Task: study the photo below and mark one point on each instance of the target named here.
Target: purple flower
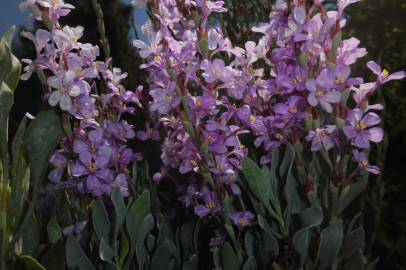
(322, 137)
(189, 163)
(318, 94)
(242, 219)
(216, 70)
(361, 128)
(150, 133)
(218, 239)
(337, 78)
(363, 92)
(208, 7)
(225, 170)
(212, 125)
(93, 144)
(210, 206)
(383, 75)
(290, 112)
(154, 40)
(75, 229)
(157, 177)
(216, 6)
(40, 40)
(249, 119)
(165, 98)
(202, 106)
(363, 163)
(229, 179)
(348, 53)
(59, 161)
(121, 182)
(63, 82)
(289, 79)
(271, 137)
(120, 130)
(299, 14)
(56, 9)
(83, 107)
(124, 156)
(97, 176)
(189, 195)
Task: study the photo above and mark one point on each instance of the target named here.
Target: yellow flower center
(193, 162)
(293, 110)
(252, 118)
(198, 103)
(361, 125)
(364, 163)
(279, 136)
(340, 80)
(297, 80)
(92, 167)
(211, 205)
(79, 73)
(385, 73)
(168, 98)
(211, 139)
(320, 92)
(242, 221)
(158, 58)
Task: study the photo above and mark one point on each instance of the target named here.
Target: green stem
(101, 29)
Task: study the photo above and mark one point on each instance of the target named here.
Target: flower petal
(376, 134)
(54, 98)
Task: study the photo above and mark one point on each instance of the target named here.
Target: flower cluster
(87, 91)
(193, 100)
(209, 95)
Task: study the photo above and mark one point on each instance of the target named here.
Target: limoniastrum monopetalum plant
(264, 145)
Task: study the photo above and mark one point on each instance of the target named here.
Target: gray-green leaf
(100, 219)
(311, 217)
(330, 243)
(75, 257)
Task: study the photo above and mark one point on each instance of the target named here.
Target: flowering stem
(102, 29)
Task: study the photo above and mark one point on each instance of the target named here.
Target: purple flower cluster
(94, 155)
(207, 94)
(191, 101)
